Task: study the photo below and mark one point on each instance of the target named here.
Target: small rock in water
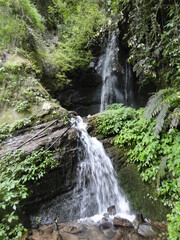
(147, 230)
(72, 229)
(111, 210)
(105, 217)
(122, 222)
(144, 228)
(105, 225)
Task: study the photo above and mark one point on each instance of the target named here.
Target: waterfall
(107, 67)
(97, 183)
(128, 86)
(115, 89)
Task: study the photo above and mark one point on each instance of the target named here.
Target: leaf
(161, 172)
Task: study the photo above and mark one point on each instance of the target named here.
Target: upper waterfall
(115, 89)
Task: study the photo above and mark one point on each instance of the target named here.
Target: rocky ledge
(119, 229)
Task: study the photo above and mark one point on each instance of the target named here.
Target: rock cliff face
(84, 93)
(58, 181)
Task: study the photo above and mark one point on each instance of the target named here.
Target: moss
(24, 101)
(139, 194)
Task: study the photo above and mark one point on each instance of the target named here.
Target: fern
(153, 105)
(161, 118)
(175, 119)
(161, 172)
(164, 105)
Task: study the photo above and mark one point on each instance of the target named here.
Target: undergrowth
(17, 169)
(157, 155)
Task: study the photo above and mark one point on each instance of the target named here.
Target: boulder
(121, 222)
(111, 210)
(45, 230)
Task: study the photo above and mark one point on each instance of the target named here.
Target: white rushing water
(128, 86)
(97, 181)
(106, 67)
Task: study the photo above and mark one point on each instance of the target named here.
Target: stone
(68, 236)
(72, 229)
(121, 222)
(55, 236)
(146, 230)
(46, 106)
(45, 230)
(108, 233)
(94, 233)
(105, 225)
(111, 210)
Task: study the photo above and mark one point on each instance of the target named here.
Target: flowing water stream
(96, 186)
(106, 67)
(115, 89)
(97, 182)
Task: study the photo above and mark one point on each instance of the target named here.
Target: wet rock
(56, 236)
(105, 217)
(94, 233)
(146, 230)
(68, 236)
(45, 230)
(127, 234)
(105, 225)
(111, 210)
(109, 233)
(121, 222)
(72, 229)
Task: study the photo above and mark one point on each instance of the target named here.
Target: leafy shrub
(112, 121)
(79, 24)
(23, 106)
(17, 170)
(14, 17)
(4, 132)
(174, 222)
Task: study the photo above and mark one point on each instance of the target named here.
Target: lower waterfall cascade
(96, 177)
(96, 187)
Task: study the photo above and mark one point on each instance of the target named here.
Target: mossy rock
(142, 196)
(23, 100)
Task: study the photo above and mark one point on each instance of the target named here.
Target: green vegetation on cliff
(155, 153)
(17, 170)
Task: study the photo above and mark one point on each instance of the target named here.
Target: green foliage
(7, 130)
(17, 170)
(113, 119)
(11, 31)
(153, 36)
(4, 132)
(22, 106)
(174, 222)
(165, 105)
(15, 16)
(156, 156)
(79, 24)
(19, 89)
